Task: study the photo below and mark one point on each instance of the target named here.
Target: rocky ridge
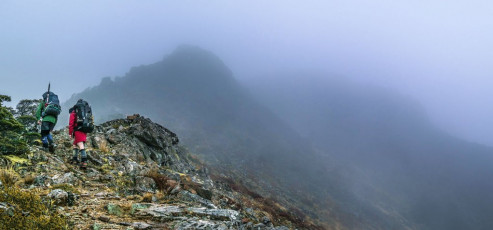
(139, 177)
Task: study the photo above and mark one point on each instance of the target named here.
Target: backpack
(85, 120)
(52, 104)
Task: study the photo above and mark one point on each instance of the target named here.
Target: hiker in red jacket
(79, 138)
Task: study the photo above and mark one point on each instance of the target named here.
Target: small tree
(11, 140)
(26, 114)
(31, 130)
(27, 107)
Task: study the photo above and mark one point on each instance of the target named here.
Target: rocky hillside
(140, 177)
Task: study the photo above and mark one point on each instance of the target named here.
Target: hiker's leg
(80, 145)
(83, 155)
(52, 145)
(50, 138)
(44, 138)
(76, 154)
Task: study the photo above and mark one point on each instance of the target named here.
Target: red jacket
(72, 124)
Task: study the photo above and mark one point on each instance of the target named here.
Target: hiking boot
(52, 148)
(44, 147)
(83, 165)
(74, 161)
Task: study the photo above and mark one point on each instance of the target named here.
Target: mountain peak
(186, 65)
(193, 60)
(192, 50)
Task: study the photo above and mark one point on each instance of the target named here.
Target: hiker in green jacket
(47, 115)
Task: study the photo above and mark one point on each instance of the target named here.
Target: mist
(383, 91)
(435, 52)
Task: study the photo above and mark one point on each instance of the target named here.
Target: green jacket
(48, 118)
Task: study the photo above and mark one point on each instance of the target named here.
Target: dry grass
(126, 207)
(147, 197)
(160, 195)
(160, 179)
(141, 158)
(104, 147)
(29, 179)
(8, 176)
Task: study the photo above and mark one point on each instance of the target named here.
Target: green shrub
(11, 140)
(32, 138)
(29, 122)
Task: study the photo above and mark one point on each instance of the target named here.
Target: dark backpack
(85, 120)
(52, 104)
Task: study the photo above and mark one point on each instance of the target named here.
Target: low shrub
(28, 211)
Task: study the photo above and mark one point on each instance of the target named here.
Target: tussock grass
(160, 179)
(29, 179)
(104, 147)
(147, 197)
(8, 176)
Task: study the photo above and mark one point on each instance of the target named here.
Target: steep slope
(394, 156)
(139, 177)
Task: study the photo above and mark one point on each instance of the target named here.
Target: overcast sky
(438, 52)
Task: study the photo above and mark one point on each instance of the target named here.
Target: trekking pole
(48, 97)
